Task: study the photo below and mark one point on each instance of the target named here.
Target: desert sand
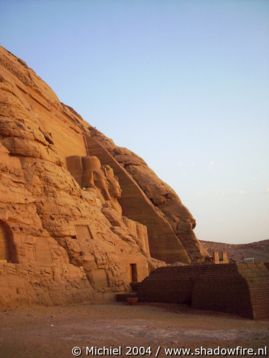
(38, 331)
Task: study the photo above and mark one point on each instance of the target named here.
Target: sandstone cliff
(165, 201)
(80, 218)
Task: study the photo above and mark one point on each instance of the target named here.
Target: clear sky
(184, 84)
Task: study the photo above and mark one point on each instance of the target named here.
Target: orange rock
(80, 212)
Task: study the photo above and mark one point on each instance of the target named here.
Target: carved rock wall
(71, 244)
(163, 199)
(78, 215)
(163, 242)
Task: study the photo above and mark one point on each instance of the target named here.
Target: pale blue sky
(184, 84)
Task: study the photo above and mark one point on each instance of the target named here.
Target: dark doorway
(7, 249)
(133, 268)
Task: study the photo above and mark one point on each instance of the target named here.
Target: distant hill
(259, 250)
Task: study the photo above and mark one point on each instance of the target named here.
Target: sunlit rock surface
(80, 218)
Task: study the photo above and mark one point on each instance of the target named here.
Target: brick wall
(240, 289)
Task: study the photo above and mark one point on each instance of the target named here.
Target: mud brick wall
(257, 277)
(169, 284)
(222, 288)
(240, 289)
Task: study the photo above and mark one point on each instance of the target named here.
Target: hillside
(259, 250)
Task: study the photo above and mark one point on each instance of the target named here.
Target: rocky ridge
(259, 250)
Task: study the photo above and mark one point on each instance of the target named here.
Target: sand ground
(39, 332)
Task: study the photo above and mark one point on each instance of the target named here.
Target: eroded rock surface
(77, 213)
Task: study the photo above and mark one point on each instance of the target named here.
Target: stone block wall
(240, 289)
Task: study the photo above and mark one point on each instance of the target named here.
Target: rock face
(80, 218)
(152, 202)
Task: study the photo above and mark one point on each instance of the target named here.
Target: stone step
(129, 297)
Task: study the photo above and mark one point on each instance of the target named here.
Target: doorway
(133, 268)
(7, 251)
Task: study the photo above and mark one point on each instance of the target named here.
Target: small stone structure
(241, 289)
(220, 257)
